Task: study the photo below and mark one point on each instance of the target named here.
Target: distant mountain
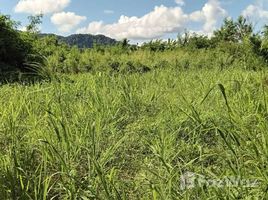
(84, 40)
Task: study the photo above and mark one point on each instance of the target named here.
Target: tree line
(18, 49)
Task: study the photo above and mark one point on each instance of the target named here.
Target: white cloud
(155, 24)
(159, 22)
(256, 12)
(22, 28)
(180, 2)
(41, 6)
(108, 12)
(197, 16)
(66, 21)
(210, 14)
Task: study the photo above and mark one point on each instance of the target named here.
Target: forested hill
(84, 40)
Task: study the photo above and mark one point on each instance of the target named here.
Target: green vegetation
(15, 47)
(132, 136)
(128, 122)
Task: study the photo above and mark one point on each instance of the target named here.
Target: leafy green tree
(234, 31)
(125, 43)
(15, 47)
(243, 28)
(35, 21)
(227, 31)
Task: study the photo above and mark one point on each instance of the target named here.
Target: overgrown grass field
(133, 136)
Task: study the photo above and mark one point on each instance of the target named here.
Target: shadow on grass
(25, 75)
(9, 77)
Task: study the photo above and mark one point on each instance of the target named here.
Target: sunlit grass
(132, 136)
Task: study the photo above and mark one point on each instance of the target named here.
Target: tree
(234, 31)
(125, 43)
(243, 28)
(35, 21)
(14, 46)
(226, 32)
(184, 38)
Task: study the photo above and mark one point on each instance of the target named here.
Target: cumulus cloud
(210, 14)
(41, 6)
(155, 24)
(66, 21)
(161, 21)
(256, 12)
(180, 2)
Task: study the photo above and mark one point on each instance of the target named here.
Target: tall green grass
(132, 136)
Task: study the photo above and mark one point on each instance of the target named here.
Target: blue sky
(134, 19)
